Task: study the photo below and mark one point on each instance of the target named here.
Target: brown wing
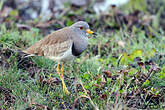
(52, 45)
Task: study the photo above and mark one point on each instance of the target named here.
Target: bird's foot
(65, 90)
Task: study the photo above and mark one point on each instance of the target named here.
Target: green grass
(90, 88)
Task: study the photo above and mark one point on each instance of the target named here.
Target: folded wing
(53, 45)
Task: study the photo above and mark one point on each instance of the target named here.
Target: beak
(90, 32)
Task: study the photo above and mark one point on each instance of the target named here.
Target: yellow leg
(62, 79)
(58, 70)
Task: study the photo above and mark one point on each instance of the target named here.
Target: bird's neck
(80, 44)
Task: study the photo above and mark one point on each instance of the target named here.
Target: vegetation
(123, 67)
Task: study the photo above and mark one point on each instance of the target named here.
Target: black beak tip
(95, 34)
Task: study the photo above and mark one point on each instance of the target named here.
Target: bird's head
(82, 27)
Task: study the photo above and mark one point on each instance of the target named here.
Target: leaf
(86, 76)
(124, 58)
(101, 60)
(136, 53)
(78, 60)
(86, 86)
(162, 75)
(69, 23)
(14, 13)
(146, 83)
(132, 71)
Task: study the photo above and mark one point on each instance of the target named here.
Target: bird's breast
(79, 46)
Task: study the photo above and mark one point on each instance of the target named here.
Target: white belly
(64, 56)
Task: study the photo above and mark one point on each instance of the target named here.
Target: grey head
(81, 28)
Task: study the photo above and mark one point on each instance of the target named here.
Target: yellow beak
(89, 31)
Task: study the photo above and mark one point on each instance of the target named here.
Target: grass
(133, 63)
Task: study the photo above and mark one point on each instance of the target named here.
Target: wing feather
(56, 49)
(54, 44)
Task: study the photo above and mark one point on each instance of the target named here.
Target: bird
(63, 45)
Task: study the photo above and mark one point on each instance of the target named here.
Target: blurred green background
(123, 67)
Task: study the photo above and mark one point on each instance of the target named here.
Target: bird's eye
(81, 28)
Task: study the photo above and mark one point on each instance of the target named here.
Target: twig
(75, 101)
